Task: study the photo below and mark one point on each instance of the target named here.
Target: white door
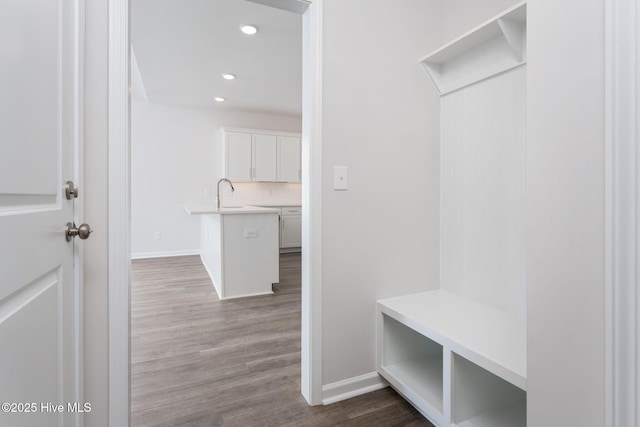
(39, 301)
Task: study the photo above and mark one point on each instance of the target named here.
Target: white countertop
(279, 205)
(236, 210)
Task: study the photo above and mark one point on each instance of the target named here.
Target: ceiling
(182, 47)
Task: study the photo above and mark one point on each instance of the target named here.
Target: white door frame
(119, 207)
(119, 182)
(311, 348)
(78, 212)
(622, 261)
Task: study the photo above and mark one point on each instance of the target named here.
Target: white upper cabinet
(237, 156)
(255, 155)
(264, 160)
(288, 159)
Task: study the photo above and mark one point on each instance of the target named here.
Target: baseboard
(290, 250)
(257, 294)
(352, 387)
(144, 255)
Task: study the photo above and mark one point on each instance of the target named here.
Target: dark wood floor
(199, 361)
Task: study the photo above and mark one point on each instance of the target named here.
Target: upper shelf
(492, 48)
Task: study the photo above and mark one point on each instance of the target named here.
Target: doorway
(119, 233)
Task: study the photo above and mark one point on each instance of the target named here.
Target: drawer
(291, 211)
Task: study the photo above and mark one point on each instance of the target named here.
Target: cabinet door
(291, 231)
(237, 156)
(264, 157)
(288, 159)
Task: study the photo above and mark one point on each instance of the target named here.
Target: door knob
(82, 232)
(70, 190)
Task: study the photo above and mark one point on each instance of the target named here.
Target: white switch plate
(339, 177)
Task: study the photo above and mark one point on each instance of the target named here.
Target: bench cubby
(460, 363)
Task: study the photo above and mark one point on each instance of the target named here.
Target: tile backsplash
(262, 194)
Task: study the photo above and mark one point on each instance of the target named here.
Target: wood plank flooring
(199, 361)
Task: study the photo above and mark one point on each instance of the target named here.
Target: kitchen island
(239, 248)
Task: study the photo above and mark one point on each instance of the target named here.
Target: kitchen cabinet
(239, 249)
(265, 156)
(290, 227)
(237, 156)
(288, 159)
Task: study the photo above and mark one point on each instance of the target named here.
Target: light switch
(339, 177)
(250, 233)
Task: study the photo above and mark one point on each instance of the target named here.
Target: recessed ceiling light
(227, 76)
(249, 29)
(219, 99)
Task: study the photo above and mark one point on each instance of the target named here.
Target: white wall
(380, 119)
(177, 154)
(565, 197)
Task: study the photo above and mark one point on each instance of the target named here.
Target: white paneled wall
(483, 187)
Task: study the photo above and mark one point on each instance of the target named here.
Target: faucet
(218, 193)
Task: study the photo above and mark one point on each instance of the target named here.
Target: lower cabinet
(459, 363)
(290, 233)
(291, 228)
(240, 252)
